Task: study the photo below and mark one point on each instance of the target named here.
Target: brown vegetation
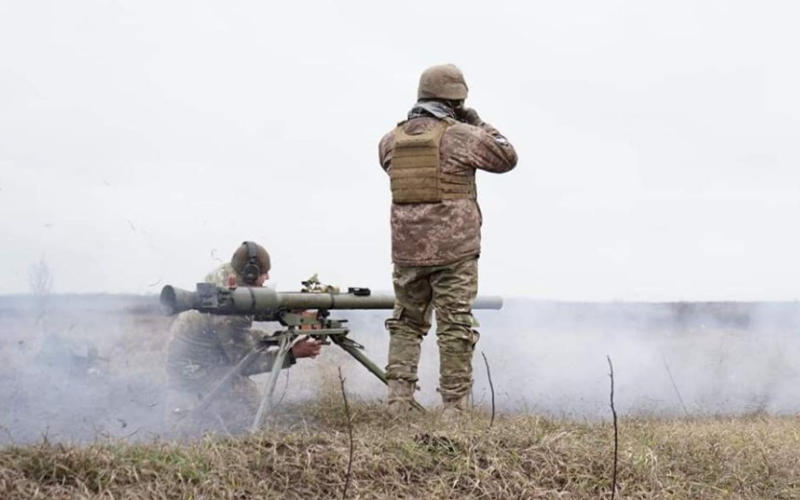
(519, 457)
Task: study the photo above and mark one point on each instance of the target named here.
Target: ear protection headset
(251, 270)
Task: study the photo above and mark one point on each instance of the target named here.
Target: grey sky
(142, 140)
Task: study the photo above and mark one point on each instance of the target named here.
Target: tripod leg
(349, 346)
(225, 380)
(266, 398)
(352, 349)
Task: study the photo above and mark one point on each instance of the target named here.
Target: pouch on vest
(416, 175)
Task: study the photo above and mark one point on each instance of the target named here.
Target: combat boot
(401, 396)
(455, 409)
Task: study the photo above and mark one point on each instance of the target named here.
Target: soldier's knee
(407, 321)
(457, 327)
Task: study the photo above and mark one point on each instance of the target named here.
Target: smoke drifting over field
(87, 367)
(547, 358)
(669, 359)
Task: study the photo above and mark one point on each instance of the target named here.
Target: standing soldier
(203, 348)
(431, 159)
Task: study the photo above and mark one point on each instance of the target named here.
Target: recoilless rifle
(302, 313)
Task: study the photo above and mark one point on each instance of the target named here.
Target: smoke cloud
(92, 367)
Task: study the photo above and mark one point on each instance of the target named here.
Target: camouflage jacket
(433, 234)
(203, 347)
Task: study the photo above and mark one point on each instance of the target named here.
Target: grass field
(520, 456)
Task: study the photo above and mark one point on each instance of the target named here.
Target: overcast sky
(141, 141)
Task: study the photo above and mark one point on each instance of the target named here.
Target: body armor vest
(416, 175)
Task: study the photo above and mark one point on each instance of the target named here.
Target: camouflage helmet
(444, 81)
(250, 261)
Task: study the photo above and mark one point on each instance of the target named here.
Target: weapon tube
(210, 298)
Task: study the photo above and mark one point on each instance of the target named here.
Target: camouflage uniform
(202, 349)
(435, 249)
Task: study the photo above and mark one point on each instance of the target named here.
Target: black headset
(251, 270)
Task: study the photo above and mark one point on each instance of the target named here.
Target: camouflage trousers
(231, 412)
(449, 290)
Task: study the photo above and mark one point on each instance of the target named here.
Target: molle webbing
(417, 176)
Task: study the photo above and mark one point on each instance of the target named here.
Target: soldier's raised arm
(490, 150)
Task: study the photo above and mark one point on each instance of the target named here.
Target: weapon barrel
(175, 300)
(257, 300)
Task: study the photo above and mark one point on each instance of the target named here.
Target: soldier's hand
(306, 348)
(469, 115)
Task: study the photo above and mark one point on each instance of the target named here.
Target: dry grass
(519, 457)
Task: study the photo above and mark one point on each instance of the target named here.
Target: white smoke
(545, 357)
